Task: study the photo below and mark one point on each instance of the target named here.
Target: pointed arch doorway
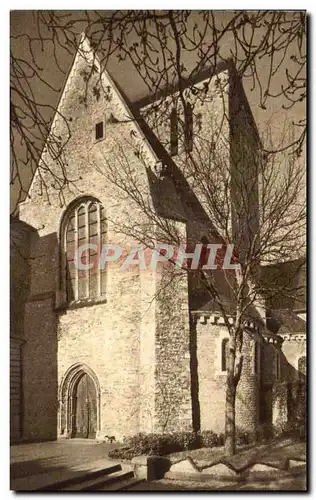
(84, 408)
(79, 403)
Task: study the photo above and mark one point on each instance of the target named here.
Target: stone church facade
(103, 353)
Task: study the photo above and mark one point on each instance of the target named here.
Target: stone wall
(210, 332)
(173, 378)
(106, 338)
(293, 377)
(128, 341)
(40, 369)
(282, 388)
(19, 285)
(152, 374)
(293, 348)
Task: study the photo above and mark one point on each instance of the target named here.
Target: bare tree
(259, 211)
(163, 49)
(264, 218)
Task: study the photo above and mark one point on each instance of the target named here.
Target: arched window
(84, 224)
(225, 353)
(301, 366)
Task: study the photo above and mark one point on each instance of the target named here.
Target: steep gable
(80, 108)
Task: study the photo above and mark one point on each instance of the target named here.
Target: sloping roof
(283, 321)
(205, 74)
(288, 279)
(200, 301)
(164, 196)
(18, 225)
(20, 233)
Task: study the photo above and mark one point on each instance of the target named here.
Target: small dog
(110, 439)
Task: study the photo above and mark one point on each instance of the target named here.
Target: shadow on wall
(296, 388)
(286, 397)
(39, 354)
(19, 291)
(281, 396)
(196, 413)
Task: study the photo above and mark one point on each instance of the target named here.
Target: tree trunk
(230, 427)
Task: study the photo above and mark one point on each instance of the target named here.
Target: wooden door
(85, 404)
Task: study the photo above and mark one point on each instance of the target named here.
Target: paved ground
(29, 463)
(26, 458)
(60, 457)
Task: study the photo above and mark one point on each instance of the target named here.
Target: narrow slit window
(204, 252)
(99, 131)
(188, 128)
(257, 358)
(174, 132)
(301, 366)
(225, 354)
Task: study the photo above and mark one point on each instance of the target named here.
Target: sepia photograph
(158, 266)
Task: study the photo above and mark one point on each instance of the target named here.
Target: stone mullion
(64, 265)
(76, 249)
(87, 259)
(98, 270)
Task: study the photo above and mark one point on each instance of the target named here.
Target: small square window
(99, 131)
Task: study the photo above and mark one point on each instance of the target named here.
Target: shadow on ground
(55, 458)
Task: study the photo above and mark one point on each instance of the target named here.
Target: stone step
(59, 473)
(124, 485)
(102, 482)
(296, 462)
(78, 477)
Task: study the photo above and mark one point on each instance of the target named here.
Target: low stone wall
(153, 467)
(150, 467)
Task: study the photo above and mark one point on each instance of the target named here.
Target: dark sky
(22, 22)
